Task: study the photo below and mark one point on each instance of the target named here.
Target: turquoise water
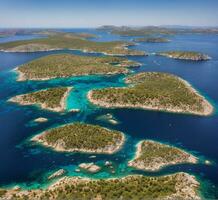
(28, 164)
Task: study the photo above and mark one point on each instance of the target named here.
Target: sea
(28, 164)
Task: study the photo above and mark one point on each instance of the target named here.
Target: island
(80, 137)
(176, 186)
(90, 167)
(156, 30)
(53, 99)
(153, 91)
(108, 118)
(185, 55)
(40, 119)
(70, 41)
(152, 40)
(153, 156)
(68, 65)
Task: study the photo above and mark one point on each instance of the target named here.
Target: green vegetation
(82, 138)
(142, 31)
(155, 91)
(185, 55)
(153, 155)
(176, 186)
(155, 30)
(66, 65)
(51, 99)
(151, 40)
(69, 41)
(2, 192)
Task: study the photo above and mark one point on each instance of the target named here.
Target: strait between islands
(153, 91)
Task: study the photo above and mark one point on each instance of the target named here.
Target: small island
(79, 137)
(52, 99)
(152, 40)
(70, 41)
(153, 156)
(68, 65)
(185, 55)
(153, 91)
(40, 120)
(90, 167)
(176, 186)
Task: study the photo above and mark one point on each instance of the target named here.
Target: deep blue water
(29, 164)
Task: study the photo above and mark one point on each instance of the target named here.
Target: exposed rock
(40, 119)
(91, 167)
(58, 173)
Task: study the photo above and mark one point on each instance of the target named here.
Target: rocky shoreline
(208, 108)
(59, 145)
(19, 100)
(185, 187)
(157, 162)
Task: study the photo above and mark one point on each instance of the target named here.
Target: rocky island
(185, 55)
(67, 65)
(152, 40)
(153, 91)
(71, 41)
(175, 186)
(52, 99)
(40, 120)
(79, 137)
(90, 167)
(152, 156)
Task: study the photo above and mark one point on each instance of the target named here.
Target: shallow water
(28, 164)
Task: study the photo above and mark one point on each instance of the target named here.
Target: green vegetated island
(153, 91)
(79, 137)
(74, 41)
(156, 30)
(175, 186)
(152, 156)
(152, 40)
(67, 65)
(185, 55)
(52, 99)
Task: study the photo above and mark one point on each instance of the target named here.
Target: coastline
(108, 150)
(22, 77)
(208, 108)
(18, 99)
(131, 53)
(192, 159)
(186, 186)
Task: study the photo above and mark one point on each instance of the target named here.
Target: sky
(93, 13)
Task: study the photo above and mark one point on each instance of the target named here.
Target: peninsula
(52, 99)
(67, 65)
(175, 186)
(152, 40)
(153, 91)
(60, 41)
(79, 137)
(152, 156)
(185, 55)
